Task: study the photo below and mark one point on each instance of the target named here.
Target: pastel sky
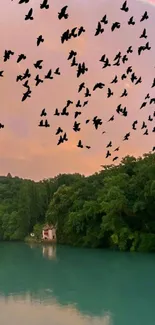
(28, 151)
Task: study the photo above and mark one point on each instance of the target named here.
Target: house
(49, 233)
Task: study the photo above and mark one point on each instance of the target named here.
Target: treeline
(114, 208)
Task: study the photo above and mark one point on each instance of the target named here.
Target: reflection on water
(57, 285)
(26, 310)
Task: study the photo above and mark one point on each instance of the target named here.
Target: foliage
(114, 208)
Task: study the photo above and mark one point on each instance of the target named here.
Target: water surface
(42, 285)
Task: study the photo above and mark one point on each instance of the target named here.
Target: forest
(113, 208)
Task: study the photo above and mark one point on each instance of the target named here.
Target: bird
(111, 119)
(21, 57)
(124, 58)
(131, 21)
(59, 130)
(125, 93)
(74, 63)
(43, 113)
(99, 29)
(80, 145)
(81, 86)
(133, 125)
(76, 127)
(57, 71)
(140, 49)
(119, 109)
(65, 36)
(87, 121)
(1, 73)
(150, 118)
(115, 80)
(133, 77)
(81, 30)
(44, 5)
(147, 96)
(7, 55)
(152, 100)
(110, 93)
(49, 75)
(144, 126)
(65, 137)
(19, 77)
(118, 56)
(145, 16)
(126, 137)
(124, 7)
(102, 58)
(143, 35)
(117, 149)
(1, 126)
(38, 80)
(153, 149)
(108, 154)
(109, 144)
(97, 122)
(26, 95)
(143, 105)
(115, 158)
(40, 40)
(81, 69)
(138, 81)
(153, 84)
(104, 20)
(124, 112)
(60, 140)
(153, 129)
(99, 85)
(78, 104)
(85, 103)
(23, 1)
(88, 147)
(38, 65)
(72, 33)
(76, 114)
(26, 84)
(71, 54)
(26, 74)
(115, 25)
(64, 111)
(87, 93)
(106, 64)
(56, 112)
(123, 76)
(62, 13)
(146, 132)
(29, 15)
(129, 50)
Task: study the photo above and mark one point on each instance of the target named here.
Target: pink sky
(32, 152)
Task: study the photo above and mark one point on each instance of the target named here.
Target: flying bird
(131, 21)
(43, 113)
(71, 54)
(104, 20)
(21, 57)
(115, 25)
(38, 65)
(81, 86)
(145, 16)
(115, 80)
(99, 29)
(129, 50)
(1, 73)
(80, 145)
(40, 40)
(23, 1)
(124, 7)
(99, 85)
(57, 71)
(38, 80)
(62, 13)
(143, 35)
(29, 15)
(49, 75)
(44, 5)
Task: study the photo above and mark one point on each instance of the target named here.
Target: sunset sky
(29, 151)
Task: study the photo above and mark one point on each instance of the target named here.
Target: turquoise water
(42, 285)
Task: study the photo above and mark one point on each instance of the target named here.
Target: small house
(49, 233)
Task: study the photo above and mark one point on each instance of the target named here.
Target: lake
(41, 285)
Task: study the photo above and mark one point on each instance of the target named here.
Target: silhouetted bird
(147, 96)
(19, 77)
(49, 75)
(125, 7)
(150, 118)
(59, 130)
(153, 149)
(40, 40)
(38, 80)
(65, 36)
(57, 71)
(87, 93)
(26, 95)
(81, 30)
(72, 33)
(111, 119)
(26, 84)
(138, 81)
(115, 158)
(76, 114)
(145, 16)
(106, 64)
(62, 13)
(7, 55)
(124, 112)
(64, 111)
(87, 121)
(117, 63)
(119, 109)
(143, 105)
(81, 69)
(43, 113)
(76, 127)
(97, 122)
(26, 74)
(131, 21)
(99, 85)
(133, 77)
(80, 145)
(44, 5)
(109, 144)
(126, 137)
(143, 48)
(1, 73)
(23, 1)
(108, 154)
(81, 86)
(146, 132)
(71, 54)
(60, 140)
(110, 93)
(78, 104)
(21, 57)
(153, 84)
(153, 129)
(1, 126)
(104, 20)
(103, 132)
(115, 25)
(123, 76)
(144, 126)
(74, 63)
(133, 125)
(152, 100)
(124, 58)
(65, 137)
(143, 35)
(129, 50)
(102, 58)
(125, 93)
(85, 103)
(88, 147)
(115, 80)
(118, 56)
(29, 15)
(117, 149)
(38, 65)
(99, 29)
(56, 112)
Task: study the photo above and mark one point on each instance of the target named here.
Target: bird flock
(119, 59)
